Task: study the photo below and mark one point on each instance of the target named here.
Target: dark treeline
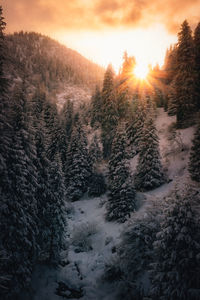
(44, 155)
(50, 158)
(183, 76)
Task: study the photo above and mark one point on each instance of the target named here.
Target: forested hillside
(43, 61)
(99, 200)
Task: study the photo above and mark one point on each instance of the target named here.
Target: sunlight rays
(105, 47)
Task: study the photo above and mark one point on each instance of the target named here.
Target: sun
(141, 71)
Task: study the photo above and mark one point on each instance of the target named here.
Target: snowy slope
(175, 147)
(84, 268)
(85, 262)
(77, 94)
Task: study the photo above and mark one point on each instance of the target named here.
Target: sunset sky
(102, 29)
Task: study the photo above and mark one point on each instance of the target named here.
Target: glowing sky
(102, 29)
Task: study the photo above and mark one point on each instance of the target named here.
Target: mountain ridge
(43, 61)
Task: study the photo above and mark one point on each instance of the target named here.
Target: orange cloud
(50, 15)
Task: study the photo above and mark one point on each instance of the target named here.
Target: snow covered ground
(86, 260)
(92, 240)
(77, 94)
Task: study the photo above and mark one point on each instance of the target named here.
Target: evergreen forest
(99, 184)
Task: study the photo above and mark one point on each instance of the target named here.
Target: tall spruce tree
(124, 83)
(194, 165)
(170, 65)
(136, 124)
(54, 217)
(185, 79)
(149, 174)
(121, 199)
(43, 191)
(122, 103)
(128, 66)
(97, 185)
(175, 271)
(17, 184)
(51, 189)
(19, 208)
(109, 111)
(135, 252)
(78, 164)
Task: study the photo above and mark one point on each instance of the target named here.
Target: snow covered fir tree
(78, 168)
(121, 199)
(149, 172)
(175, 272)
(99, 172)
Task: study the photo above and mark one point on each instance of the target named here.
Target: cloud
(50, 15)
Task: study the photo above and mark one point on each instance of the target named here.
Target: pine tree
(7, 202)
(185, 79)
(19, 208)
(170, 65)
(53, 222)
(135, 127)
(175, 272)
(127, 67)
(108, 84)
(122, 103)
(194, 165)
(43, 191)
(121, 200)
(78, 165)
(97, 185)
(135, 252)
(149, 174)
(51, 189)
(118, 155)
(197, 61)
(109, 112)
